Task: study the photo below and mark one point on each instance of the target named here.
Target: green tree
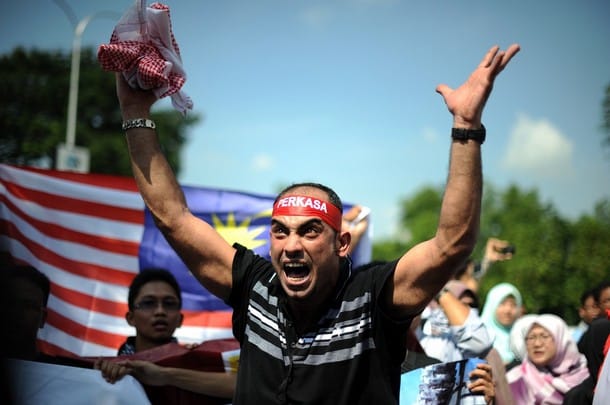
(556, 259)
(420, 213)
(590, 249)
(541, 238)
(419, 218)
(388, 249)
(33, 118)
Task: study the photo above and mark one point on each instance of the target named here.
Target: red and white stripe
(83, 231)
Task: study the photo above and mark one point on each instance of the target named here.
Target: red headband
(300, 205)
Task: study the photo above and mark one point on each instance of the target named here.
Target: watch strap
(463, 134)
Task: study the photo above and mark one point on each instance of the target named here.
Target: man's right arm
(207, 255)
(212, 383)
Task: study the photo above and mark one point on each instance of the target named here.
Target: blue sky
(342, 92)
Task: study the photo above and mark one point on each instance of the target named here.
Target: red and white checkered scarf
(144, 49)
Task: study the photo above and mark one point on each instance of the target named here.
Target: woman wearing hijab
(552, 366)
(503, 306)
(517, 338)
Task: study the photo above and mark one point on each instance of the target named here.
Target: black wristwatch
(462, 134)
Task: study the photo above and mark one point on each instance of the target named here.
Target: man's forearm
(154, 177)
(460, 211)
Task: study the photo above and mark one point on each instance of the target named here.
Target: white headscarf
(568, 368)
(517, 335)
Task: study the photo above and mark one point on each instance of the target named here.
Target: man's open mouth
(296, 270)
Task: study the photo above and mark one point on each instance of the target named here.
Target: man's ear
(129, 318)
(343, 243)
(180, 321)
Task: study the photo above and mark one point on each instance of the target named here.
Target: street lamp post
(74, 75)
(69, 156)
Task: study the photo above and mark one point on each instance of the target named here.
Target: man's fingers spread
(508, 55)
(489, 56)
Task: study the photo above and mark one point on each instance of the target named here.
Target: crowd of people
(312, 328)
(548, 365)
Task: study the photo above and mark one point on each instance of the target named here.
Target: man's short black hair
(148, 275)
(333, 197)
(31, 274)
(590, 293)
(599, 288)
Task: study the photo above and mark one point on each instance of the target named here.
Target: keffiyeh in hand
(144, 49)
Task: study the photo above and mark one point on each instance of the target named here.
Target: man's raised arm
(424, 269)
(205, 252)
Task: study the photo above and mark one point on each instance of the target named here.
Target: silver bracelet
(138, 123)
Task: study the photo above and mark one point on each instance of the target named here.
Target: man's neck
(306, 314)
(145, 344)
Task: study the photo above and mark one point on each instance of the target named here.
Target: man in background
(155, 305)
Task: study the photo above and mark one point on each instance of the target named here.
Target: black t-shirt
(353, 357)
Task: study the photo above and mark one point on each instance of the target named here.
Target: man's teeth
(296, 270)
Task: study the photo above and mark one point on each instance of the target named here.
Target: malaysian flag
(90, 234)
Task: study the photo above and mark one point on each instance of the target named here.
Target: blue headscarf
(499, 332)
